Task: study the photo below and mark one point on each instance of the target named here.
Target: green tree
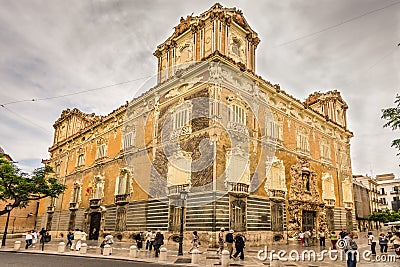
(385, 216)
(19, 189)
(392, 116)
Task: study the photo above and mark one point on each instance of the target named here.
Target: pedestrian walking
(221, 240)
(139, 238)
(148, 240)
(351, 250)
(195, 241)
(307, 236)
(383, 243)
(158, 242)
(28, 239)
(321, 236)
(240, 243)
(70, 238)
(78, 234)
(334, 238)
(372, 243)
(313, 236)
(34, 238)
(301, 236)
(229, 242)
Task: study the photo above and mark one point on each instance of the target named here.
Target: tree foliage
(19, 188)
(385, 216)
(392, 116)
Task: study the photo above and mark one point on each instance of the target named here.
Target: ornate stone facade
(252, 157)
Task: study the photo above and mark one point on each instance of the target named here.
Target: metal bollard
(163, 254)
(83, 249)
(61, 247)
(107, 250)
(195, 256)
(225, 258)
(133, 252)
(17, 245)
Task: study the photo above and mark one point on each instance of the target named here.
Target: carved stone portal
(304, 196)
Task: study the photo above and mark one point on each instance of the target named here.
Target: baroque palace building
(251, 157)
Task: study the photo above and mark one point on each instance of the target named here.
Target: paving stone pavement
(209, 257)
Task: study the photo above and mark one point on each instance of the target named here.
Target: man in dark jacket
(239, 245)
(158, 242)
(139, 240)
(229, 242)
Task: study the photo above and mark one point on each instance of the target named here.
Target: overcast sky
(50, 48)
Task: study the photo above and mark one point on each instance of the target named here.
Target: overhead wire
(337, 25)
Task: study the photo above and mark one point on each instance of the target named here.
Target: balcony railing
(95, 203)
(73, 206)
(329, 202)
(175, 190)
(238, 189)
(275, 193)
(50, 209)
(122, 199)
(348, 205)
(394, 192)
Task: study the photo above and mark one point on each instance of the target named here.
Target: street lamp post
(183, 196)
(8, 208)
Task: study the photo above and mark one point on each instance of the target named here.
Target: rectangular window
(101, 151)
(76, 193)
(122, 184)
(181, 119)
(128, 140)
(238, 115)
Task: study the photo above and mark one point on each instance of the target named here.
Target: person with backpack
(239, 245)
(158, 242)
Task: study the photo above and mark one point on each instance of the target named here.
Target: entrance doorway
(95, 219)
(308, 221)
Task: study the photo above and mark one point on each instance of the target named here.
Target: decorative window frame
(325, 150)
(129, 137)
(128, 190)
(274, 129)
(302, 140)
(101, 149)
(98, 187)
(80, 159)
(76, 196)
(181, 119)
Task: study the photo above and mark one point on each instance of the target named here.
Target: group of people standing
(153, 239)
(31, 238)
(384, 240)
(75, 238)
(239, 240)
(309, 237)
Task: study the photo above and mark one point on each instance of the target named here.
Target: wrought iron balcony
(73, 206)
(174, 190)
(348, 205)
(50, 209)
(275, 193)
(238, 189)
(122, 199)
(329, 202)
(95, 203)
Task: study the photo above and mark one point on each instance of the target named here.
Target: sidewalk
(208, 257)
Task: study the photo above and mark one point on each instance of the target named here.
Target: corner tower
(195, 38)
